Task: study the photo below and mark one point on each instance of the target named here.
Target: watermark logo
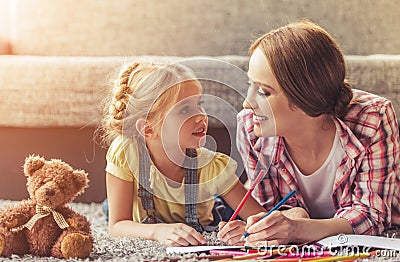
(342, 239)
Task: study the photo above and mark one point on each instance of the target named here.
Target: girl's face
(272, 115)
(185, 124)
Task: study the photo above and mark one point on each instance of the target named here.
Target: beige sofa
(57, 58)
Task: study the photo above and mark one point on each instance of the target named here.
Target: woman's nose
(249, 104)
(246, 104)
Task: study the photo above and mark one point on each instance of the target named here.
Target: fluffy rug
(107, 248)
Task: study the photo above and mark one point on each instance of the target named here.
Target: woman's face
(272, 115)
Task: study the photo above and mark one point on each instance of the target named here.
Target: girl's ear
(144, 128)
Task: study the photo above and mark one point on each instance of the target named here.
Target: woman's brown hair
(309, 66)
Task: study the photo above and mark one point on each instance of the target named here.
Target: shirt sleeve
(375, 183)
(218, 174)
(266, 193)
(121, 160)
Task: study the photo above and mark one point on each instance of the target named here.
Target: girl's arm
(232, 231)
(235, 195)
(120, 195)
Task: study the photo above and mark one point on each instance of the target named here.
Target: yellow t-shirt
(216, 177)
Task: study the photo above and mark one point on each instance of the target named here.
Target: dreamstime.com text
(315, 251)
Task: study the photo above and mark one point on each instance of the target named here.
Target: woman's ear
(144, 128)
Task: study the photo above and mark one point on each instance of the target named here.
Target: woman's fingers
(254, 219)
(276, 228)
(262, 224)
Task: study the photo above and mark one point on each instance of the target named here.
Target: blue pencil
(246, 234)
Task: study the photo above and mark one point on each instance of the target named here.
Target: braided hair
(142, 90)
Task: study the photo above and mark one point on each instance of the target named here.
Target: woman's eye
(263, 93)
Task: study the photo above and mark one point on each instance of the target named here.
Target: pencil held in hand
(283, 201)
(248, 194)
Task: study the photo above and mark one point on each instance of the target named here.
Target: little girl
(160, 181)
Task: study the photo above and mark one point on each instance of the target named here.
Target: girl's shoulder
(208, 158)
(217, 171)
(214, 163)
(123, 152)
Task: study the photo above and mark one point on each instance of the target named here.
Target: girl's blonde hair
(142, 90)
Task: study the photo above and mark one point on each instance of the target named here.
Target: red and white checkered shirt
(366, 190)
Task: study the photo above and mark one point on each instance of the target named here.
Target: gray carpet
(107, 248)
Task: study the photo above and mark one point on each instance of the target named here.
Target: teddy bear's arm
(76, 222)
(17, 215)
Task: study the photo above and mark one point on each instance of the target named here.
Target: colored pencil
(266, 253)
(277, 206)
(341, 258)
(227, 252)
(241, 204)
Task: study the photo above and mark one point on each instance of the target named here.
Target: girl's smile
(200, 132)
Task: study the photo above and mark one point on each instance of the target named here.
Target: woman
(308, 130)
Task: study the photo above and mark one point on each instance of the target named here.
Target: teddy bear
(44, 225)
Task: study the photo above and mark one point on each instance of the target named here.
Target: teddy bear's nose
(50, 192)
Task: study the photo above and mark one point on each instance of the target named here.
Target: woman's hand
(178, 235)
(231, 232)
(276, 229)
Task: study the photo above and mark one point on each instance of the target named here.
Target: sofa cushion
(67, 91)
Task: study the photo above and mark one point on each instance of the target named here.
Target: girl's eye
(200, 104)
(184, 110)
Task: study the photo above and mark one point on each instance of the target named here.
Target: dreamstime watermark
(339, 248)
(316, 251)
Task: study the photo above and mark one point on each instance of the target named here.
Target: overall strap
(145, 193)
(191, 186)
(191, 183)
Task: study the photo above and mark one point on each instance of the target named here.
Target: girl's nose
(200, 117)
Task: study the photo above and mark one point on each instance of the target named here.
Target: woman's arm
(120, 195)
(292, 226)
(255, 163)
(374, 187)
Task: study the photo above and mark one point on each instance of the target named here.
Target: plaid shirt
(366, 190)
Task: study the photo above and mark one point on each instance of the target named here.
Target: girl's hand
(231, 232)
(178, 235)
(276, 229)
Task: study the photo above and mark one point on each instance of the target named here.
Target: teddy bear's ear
(81, 180)
(33, 163)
